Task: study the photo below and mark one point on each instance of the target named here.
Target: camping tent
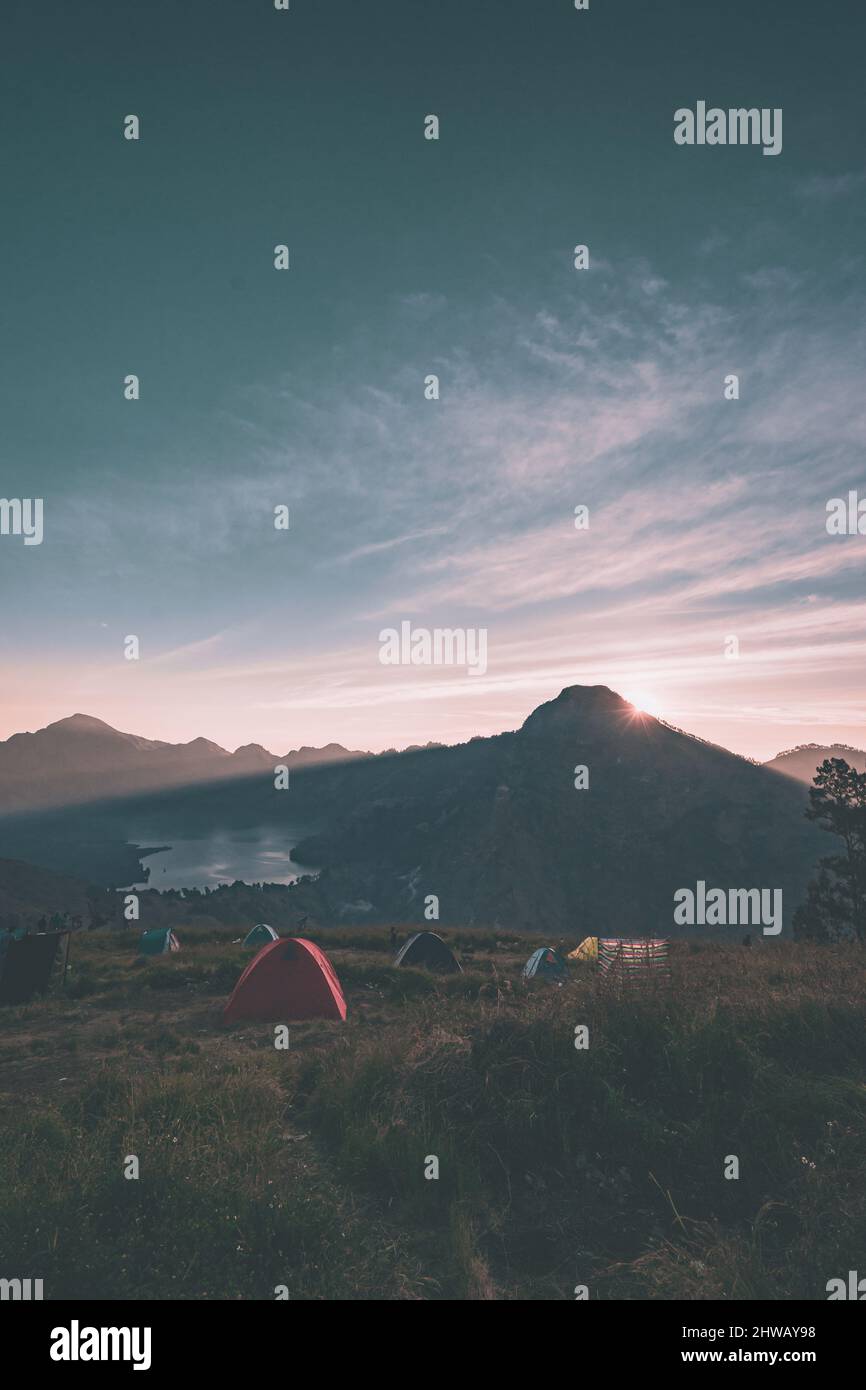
(633, 964)
(158, 942)
(587, 950)
(545, 964)
(428, 950)
(290, 978)
(26, 963)
(260, 935)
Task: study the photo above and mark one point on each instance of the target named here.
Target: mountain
(80, 759)
(801, 762)
(494, 828)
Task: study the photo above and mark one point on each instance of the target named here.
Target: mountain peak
(577, 702)
(82, 723)
(203, 746)
(591, 696)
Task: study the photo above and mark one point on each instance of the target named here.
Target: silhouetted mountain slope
(802, 762)
(495, 827)
(498, 831)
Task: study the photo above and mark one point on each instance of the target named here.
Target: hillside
(27, 892)
(803, 761)
(557, 1167)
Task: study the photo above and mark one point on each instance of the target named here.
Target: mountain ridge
(499, 830)
(80, 757)
(802, 762)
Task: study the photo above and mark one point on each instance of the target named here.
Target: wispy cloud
(706, 518)
(825, 187)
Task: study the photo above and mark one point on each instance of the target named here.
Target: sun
(644, 701)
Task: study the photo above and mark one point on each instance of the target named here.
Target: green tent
(260, 935)
(158, 942)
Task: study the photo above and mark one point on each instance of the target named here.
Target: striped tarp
(633, 963)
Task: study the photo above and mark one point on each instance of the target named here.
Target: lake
(255, 856)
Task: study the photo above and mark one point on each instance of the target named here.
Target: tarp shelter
(26, 963)
(633, 964)
(288, 979)
(260, 935)
(427, 950)
(587, 950)
(545, 964)
(158, 942)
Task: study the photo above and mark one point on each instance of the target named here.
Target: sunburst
(644, 701)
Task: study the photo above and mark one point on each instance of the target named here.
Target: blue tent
(545, 964)
(158, 942)
(260, 935)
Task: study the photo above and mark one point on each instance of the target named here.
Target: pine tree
(835, 906)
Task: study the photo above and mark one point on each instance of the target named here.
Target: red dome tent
(287, 979)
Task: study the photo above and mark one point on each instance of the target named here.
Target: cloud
(825, 187)
(362, 552)
(706, 517)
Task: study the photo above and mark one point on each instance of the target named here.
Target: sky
(558, 388)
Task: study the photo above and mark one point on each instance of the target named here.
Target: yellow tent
(587, 950)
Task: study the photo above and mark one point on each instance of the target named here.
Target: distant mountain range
(80, 759)
(802, 762)
(494, 828)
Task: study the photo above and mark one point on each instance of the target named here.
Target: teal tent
(260, 935)
(158, 942)
(545, 964)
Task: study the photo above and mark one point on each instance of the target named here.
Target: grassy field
(305, 1168)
